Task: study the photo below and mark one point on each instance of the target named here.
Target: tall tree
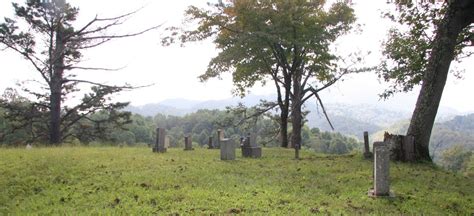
(430, 63)
(43, 33)
(284, 42)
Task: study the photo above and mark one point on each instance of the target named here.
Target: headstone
(381, 170)
(252, 139)
(188, 143)
(401, 147)
(227, 147)
(367, 153)
(209, 144)
(167, 142)
(250, 148)
(220, 136)
(29, 147)
(160, 141)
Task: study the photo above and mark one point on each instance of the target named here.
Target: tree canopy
(283, 42)
(44, 34)
(429, 63)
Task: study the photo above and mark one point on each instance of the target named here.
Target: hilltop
(85, 181)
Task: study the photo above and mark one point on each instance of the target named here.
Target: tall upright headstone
(227, 147)
(381, 170)
(220, 136)
(160, 141)
(188, 143)
(367, 153)
(209, 143)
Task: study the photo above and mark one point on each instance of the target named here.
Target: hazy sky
(174, 69)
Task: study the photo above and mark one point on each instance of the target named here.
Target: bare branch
(259, 112)
(121, 36)
(94, 68)
(322, 106)
(105, 85)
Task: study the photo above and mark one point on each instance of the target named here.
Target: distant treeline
(200, 125)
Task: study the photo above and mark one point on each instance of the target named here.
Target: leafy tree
(455, 158)
(19, 118)
(418, 56)
(278, 41)
(43, 32)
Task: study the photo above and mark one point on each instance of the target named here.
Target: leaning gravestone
(381, 170)
(367, 153)
(227, 149)
(160, 141)
(250, 148)
(188, 143)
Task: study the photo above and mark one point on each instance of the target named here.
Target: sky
(173, 70)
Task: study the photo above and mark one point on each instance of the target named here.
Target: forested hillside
(200, 125)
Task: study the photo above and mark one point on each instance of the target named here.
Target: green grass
(85, 181)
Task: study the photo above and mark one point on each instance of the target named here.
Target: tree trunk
(458, 16)
(296, 118)
(284, 127)
(55, 115)
(55, 85)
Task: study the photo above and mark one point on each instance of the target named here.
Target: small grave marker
(367, 153)
(209, 143)
(188, 143)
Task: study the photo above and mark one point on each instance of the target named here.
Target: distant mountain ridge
(348, 119)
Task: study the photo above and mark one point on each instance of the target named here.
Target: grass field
(85, 181)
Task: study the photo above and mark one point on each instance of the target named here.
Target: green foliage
(135, 181)
(456, 158)
(408, 46)
(45, 34)
(284, 42)
(330, 143)
(25, 121)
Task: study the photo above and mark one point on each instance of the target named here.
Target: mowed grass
(85, 181)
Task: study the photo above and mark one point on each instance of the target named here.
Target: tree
(283, 42)
(430, 63)
(456, 158)
(43, 33)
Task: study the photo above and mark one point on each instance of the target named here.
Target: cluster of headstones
(381, 155)
(227, 146)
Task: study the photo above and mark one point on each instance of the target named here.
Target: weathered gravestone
(381, 171)
(227, 147)
(209, 143)
(188, 143)
(402, 148)
(160, 141)
(29, 147)
(367, 153)
(167, 142)
(220, 136)
(250, 148)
